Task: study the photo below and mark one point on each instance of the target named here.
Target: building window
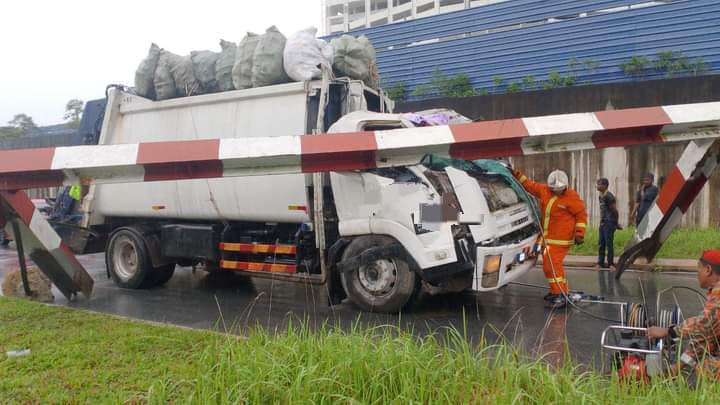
(397, 3)
(379, 22)
(336, 10)
(377, 5)
(425, 7)
(403, 15)
(356, 7)
(444, 3)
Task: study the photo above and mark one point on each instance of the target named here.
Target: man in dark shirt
(608, 224)
(644, 197)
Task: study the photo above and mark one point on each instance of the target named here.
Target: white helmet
(558, 180)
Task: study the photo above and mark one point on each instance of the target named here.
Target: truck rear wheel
(383, 285)
(128, 261)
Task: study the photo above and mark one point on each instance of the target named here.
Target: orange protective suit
(564, 218)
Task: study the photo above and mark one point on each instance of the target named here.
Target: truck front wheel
(128, 261)
(382, 285)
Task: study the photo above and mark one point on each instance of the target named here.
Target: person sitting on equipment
(703, 331)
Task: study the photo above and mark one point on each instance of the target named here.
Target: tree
(22, 121)
(9, 133)
(73, 112)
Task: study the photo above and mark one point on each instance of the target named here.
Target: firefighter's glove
(579, 240)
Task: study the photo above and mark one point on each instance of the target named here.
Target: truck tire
(128, 261)
(162, 275)
(385, 285)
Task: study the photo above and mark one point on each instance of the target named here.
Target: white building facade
(348, 15)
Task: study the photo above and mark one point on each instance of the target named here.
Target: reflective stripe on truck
(256, 267)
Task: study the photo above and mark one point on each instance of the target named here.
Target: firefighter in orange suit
(564, 221)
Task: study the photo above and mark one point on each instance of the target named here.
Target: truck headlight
(491, 271)
(492, 264)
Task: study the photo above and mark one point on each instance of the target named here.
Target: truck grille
(519, 234)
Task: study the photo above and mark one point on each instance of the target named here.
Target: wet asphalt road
(518, 313)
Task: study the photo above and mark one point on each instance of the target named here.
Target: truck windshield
(435, 162)
(482, 168)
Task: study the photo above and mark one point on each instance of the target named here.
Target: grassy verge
(684, 243)
(85, 358)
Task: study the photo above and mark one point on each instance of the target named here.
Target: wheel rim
(125, 258)
(379, 277)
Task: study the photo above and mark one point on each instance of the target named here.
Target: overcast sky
(54, 51)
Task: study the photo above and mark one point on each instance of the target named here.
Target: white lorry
(376, 237)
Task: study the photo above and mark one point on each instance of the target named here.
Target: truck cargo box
(281, 110)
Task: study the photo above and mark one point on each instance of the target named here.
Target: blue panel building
(530, 44)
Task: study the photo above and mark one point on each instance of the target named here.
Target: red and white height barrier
(157, 161)
(43, 245)
(683, 185)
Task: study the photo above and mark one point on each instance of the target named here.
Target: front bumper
(510, 269)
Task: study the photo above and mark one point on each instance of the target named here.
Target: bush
(397, 92)
(514, 87)
(10, 132)
(635, 66)
(668, 63)
(442, 85)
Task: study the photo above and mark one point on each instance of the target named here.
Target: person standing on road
(608, 224)
(644, 198)
(564, 221)
(702, 354)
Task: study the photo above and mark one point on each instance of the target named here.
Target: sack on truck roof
(204, 68)
(164, 82)
(258, 61)
(304, 54)
(242, 70)
(181, 67)
(224, 65)
(356, 58)
(268, 59)
(145, 73)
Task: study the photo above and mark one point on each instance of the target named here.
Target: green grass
(79, 357)
(684, 243)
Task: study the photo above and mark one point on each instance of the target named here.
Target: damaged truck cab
(377, 237)
(460, 227)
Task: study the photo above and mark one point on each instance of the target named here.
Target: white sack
(304, 54)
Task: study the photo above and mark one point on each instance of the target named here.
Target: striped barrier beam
(683, 185)
(213, 158)
(44, 246)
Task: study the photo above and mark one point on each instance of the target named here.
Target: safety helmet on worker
(558, 180)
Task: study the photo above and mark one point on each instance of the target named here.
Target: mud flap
(683, 185)
(44, 246)
(336, 293)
